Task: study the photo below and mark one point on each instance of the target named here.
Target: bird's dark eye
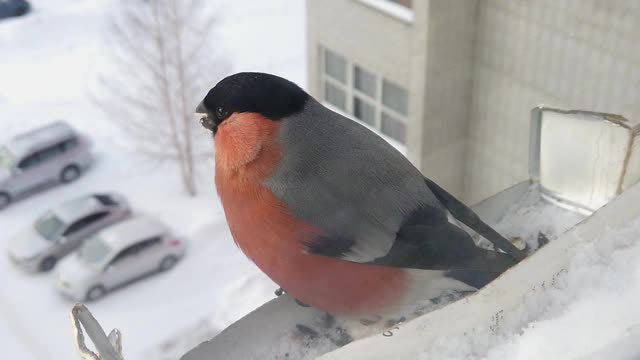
(221, 114)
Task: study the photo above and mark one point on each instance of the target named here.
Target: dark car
(11, 8)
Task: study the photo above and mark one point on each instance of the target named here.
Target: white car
(117, 256)
(62, 229)
(55, 153)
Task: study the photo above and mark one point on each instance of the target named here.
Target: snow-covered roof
(129, 231)
(37, 138)
(74, 209)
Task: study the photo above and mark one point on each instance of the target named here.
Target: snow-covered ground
(591, 314)
(48, 60)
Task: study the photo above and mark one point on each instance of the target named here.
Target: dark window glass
(29, 162)
(84, 222)
(335, 66)
(364, 81)
(69, 144)
(394, 128)
(394, 97)
(364, 111)
(137, 248)
(49, 153)
(124, 254)
(149, 243)
(335, 96)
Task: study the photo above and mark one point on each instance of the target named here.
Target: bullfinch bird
(330, 211)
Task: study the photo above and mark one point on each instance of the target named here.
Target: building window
(394, 97)
(336, 66)
(375, 101)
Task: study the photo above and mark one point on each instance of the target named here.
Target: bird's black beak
(205, 120)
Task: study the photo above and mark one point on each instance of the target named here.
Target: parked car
(47, 155)
(62, 229)
(117, 256)
(11, 8)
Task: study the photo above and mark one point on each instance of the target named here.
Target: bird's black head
(265, 94)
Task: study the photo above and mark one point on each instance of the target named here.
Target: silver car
(117, 256)
(55, 153)
(63, 228)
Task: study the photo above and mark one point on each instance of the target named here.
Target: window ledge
(396, 144)
(395, 10)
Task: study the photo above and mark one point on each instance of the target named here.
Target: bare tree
(165, 58)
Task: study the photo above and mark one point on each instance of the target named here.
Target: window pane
(335, 66)
(335, 95)
(394, 128)
(395, 97)
(364, 111)
(364, 81)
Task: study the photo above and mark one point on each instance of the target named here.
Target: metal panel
(581, 158)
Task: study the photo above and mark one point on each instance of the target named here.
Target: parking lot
(34, 318)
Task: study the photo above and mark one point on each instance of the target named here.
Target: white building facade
(454, 80)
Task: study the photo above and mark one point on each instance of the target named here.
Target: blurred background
(448, 83)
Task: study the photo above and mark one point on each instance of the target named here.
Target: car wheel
(168, 262)
(95, 293)
(48, 263)
(5, 200)
(69, 174)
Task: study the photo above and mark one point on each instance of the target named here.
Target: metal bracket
(109, 348)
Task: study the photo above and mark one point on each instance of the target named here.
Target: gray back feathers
(341, 177)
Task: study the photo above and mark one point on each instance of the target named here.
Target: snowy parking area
(48, 63)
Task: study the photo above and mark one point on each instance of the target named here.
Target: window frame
(351, 92)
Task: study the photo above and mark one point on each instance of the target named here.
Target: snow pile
(593, 305)
(532, 215)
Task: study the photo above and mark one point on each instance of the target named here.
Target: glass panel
(6, 159)
(94, 250)
(585, 172)
(364, 81)
(394, 97)
(335, 95)
(364, 111)
(335, 66)
(394, 128)
(49, 225)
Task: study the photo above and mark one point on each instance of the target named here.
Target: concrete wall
(365, 35)
(430, 56)
(450, 28)
(569, 54)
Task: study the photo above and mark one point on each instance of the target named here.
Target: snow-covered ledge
(497, 307)
(397, 11)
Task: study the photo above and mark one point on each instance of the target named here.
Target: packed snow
(532, 215)
(592, 313)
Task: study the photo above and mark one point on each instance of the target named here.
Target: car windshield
(48, 225)
(94, 250)
(6, 158)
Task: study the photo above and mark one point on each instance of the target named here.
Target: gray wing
(344, 179)
(371, 204)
